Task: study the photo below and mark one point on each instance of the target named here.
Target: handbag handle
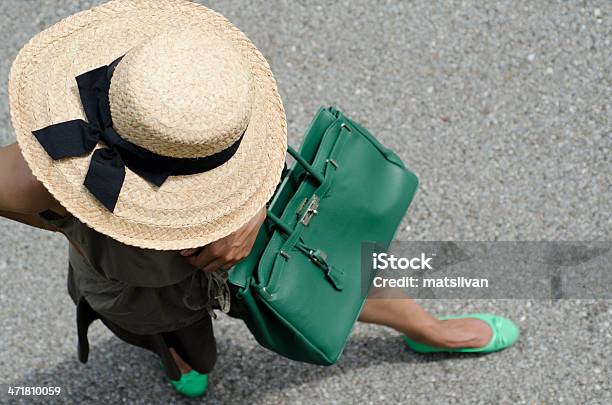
(308, 167)
(279, 222)
(311, 170)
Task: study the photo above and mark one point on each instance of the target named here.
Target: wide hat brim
(186, 211)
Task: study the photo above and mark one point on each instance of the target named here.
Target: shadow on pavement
(117, 371)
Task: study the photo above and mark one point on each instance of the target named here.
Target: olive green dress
(149, 298)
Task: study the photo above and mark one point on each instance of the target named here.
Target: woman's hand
(225, 252)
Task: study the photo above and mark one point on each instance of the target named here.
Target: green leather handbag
(302, 287)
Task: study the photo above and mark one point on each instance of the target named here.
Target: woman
(151, 134)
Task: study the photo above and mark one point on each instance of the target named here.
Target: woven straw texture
(164, 101)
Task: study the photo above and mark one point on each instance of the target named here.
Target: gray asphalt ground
(502, 109)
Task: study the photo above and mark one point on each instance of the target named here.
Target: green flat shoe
(192, 384)
(505, 333)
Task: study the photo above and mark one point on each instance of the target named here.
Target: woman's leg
(182, 364)
(403, 314)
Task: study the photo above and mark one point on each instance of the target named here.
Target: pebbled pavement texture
(503, 110)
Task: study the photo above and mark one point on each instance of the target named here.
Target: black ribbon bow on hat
(106, 171)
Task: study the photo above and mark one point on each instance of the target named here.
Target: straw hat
(186, 85)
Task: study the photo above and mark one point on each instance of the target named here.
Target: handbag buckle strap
(334, 275)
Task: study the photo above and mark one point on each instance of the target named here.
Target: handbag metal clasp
(318, 257)
(311, 210)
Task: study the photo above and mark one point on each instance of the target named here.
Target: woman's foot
(410, 319)
(466, 333)
(191, 384)
(453, 333)
(477, 332)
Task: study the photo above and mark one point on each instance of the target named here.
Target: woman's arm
(22, 197)
(29, 219)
